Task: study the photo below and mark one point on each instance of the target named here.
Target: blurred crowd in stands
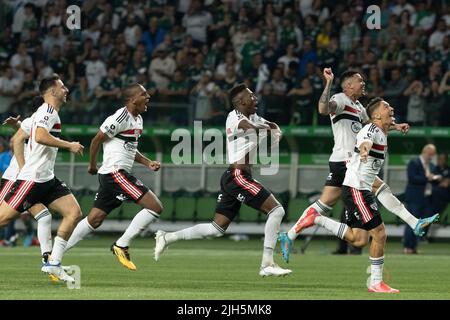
(188, 53)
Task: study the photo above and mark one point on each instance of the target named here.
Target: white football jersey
(240, 143)
(361, 175)
(346, 122)
(119, 151)
(13, 169)
(40, 164)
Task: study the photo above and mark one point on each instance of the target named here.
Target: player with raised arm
(237, 184)
(36, 182)
(347, 117)
(362, 216)
(119, 136)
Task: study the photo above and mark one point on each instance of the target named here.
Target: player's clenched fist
(77, 148)
(328, 74)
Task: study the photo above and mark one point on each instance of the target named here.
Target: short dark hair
(347, 74)
(235, 91)
(129, 91)
(373, 105)
(48, 82)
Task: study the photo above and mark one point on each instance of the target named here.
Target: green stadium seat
(206, 208)
(443, 219)
(184, 208)
(388, 217)
(248, 214)
(116, 213)
(168, 204)
(295, 208)
(129, 210)
(337, 210)
(86, 202)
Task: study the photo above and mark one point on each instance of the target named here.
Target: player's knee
(216, 231)
(4, 221)
(380, 236)
(158, 208)
(277, 212)
(75, 214)
(95, 219)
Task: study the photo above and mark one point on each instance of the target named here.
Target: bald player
(119, 136)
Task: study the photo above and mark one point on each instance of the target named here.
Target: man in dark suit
(441, 191)
(418, 192)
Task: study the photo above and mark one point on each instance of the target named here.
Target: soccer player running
(38, 211)
(237, 184)
(347, 117)
(119, 136)
(362, 216)
(36, 182)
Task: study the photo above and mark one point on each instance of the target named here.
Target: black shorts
(117, 187)
(24, 194)
(237, 187)
(361, 208)
(337, 174)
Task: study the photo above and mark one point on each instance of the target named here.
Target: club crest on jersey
(376, 164)
(240, 197)
(129, 146)
(139, 183)
(356, 126)
(374, 206)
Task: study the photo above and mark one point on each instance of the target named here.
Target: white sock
(271, 232)
(139, 223)
(58, 250)
(199, 231)
(376, 270)
(320, 207)
(336, 228)
(44, 230)
(390, 202)
(82, 229)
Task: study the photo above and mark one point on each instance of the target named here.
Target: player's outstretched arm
(326, 106)
(13, 122)
(18, 141)
(96, 142)
(402, 127)
(45, 138)
(153, 165)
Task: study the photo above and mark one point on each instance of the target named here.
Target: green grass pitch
(222, 269)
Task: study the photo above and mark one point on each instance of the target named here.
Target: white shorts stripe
(6, 189)
(245, 184)
(15, 201)
(126, 185)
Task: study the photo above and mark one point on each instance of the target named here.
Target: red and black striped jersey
(40, 163)
(346, 122)
(119, 151)
(361, 175)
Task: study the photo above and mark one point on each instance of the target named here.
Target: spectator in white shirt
(95, 70)
(54, 38)
(196, 22)
(21, 61)
(162, 67)
(9, 88)
(437, 37)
